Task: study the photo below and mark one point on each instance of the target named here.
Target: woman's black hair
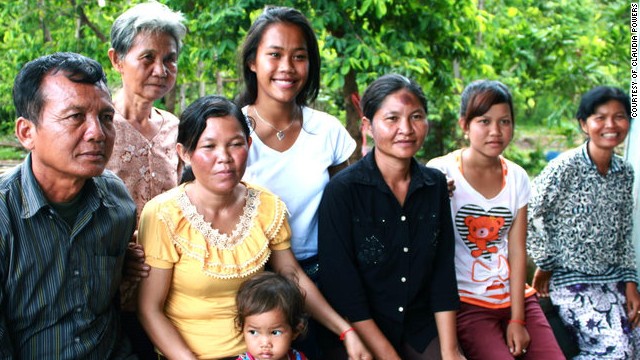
(193, 121)
(599, 95)
(384, 86)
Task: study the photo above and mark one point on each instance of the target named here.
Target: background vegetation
(548, 52)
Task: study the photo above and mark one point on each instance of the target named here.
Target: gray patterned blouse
(580, 222)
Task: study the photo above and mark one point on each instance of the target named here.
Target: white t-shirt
(481, 227)
(299, 174)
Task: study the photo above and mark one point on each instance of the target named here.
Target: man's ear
(183, 154)
(25, 132)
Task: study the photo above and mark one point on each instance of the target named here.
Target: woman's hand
(453, 355)
(451, 186)
(633, 303)
(517, 339)
(540, 282)
(355, 347)
(134, 267)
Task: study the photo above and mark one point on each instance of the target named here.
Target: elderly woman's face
(149, 69)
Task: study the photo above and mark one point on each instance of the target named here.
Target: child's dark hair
(601, 95)
(479, 96)
(270, 291)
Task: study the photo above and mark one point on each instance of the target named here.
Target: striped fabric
(59, 283)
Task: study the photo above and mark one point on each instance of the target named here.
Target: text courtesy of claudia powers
(633, 28)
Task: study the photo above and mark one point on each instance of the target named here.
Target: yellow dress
(209, 267)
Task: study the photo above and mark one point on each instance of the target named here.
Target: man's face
(75, 134)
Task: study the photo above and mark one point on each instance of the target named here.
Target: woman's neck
(600, 157)
(396, 173)
(276, 113)
(472, 159)
(132, 109)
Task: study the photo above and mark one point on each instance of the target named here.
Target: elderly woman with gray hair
(145, 44)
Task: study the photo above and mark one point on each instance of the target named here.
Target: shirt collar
(614, 167)
(371, 173)
(33, 198)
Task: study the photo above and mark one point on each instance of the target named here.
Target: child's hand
(517, 339)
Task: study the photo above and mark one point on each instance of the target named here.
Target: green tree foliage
(548, 52)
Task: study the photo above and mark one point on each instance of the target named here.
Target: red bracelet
(344, 333)
(521, 322)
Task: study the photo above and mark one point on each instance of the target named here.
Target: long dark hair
(273, 15)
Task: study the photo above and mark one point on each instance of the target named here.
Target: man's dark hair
(27, 93)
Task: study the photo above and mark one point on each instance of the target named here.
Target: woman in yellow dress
(206, 237)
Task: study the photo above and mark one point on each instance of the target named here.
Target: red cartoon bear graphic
(482, 230)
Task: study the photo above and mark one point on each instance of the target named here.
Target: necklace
(279, 133)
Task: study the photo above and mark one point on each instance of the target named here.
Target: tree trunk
(353, 115)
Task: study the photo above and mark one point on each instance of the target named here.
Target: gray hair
(146, 17)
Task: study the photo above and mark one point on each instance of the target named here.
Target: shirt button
(405, 249)
(403, 218)
(400, 309)
(76, 272)
(153, 174)
(77, 339)
(403, 279)
(78, 309)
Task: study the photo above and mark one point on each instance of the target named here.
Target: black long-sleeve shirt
(383, 261)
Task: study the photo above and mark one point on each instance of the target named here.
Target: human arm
(447, 335)
(285, 263)
(6, 348)
(517, 335)
(151, 299)
(541, 246)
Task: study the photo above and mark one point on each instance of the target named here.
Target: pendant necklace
(279, 133)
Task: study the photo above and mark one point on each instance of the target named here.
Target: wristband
(344, 333)
(521, 322)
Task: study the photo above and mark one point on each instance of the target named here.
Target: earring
(466, 136)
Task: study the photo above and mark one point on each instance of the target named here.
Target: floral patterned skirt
(597, 315)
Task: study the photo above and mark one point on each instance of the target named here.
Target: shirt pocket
(371, 241)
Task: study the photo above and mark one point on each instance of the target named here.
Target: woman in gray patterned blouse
(580, 233)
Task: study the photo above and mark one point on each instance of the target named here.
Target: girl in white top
(489, 210)
(295, 149)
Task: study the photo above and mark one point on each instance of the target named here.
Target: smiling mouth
(609, 135)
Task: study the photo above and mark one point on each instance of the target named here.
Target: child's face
(490, 133)
(268, 336)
